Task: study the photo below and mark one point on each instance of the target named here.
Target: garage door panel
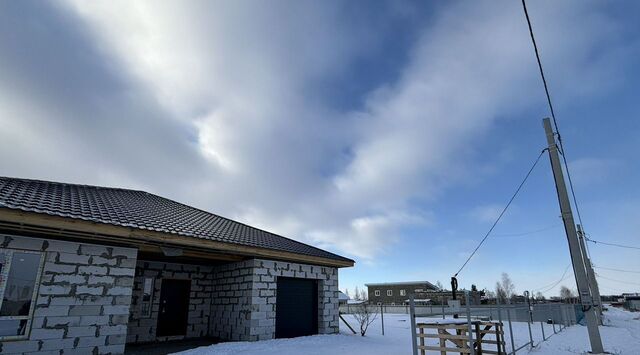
(296, 307)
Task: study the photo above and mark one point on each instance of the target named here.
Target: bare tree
(439, 285)
(505, 289)
(566, 294)
(365, 314)
(364, 295)
(540, 296)
(508, 287)
(356, 295)
(501, 295)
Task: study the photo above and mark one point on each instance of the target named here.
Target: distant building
(397, 293)
(424, 293)
(631, 301)
(342, 298)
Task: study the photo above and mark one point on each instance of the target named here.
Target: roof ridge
(71, 184)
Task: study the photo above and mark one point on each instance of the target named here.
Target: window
(419, 290)
(393, 303)
(377, 292)
(379, 303)
(147, 297)
(403, 292)
(389, 292)
(19, 279)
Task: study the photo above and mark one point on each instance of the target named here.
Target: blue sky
(391, 133)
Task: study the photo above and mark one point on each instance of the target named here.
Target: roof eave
(134, 236)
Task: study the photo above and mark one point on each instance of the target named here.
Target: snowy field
(620, 336)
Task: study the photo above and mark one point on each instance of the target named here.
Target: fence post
(414, 344)
(513, 344)
(382, 317)
(501, 327)
(550, 315)
(469, 329)
(529, 326)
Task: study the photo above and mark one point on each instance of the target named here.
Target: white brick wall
(143, 329)
(77, 310)
(244, 298)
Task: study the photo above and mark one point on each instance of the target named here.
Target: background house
(424, 292)
(342, 298)
(397, 293)
(88, 269)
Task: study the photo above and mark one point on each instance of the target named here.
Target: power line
(530, 232)
(619, 270)
(611, 244)
(503, 211)
(610, 279)
(553, 115)
(553, 284)
(614, 289)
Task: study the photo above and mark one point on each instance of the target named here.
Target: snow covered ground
(620, 336)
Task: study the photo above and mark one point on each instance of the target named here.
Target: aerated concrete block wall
(244, 298)
(83, 298)
(143, 329)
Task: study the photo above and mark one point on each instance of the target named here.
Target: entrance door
(174, 307)
(296, 307)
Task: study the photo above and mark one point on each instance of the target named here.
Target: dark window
(19, 274)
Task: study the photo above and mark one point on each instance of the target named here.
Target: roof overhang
(146, 240)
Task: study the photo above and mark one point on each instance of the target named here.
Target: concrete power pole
(574, 244)
(593, 283)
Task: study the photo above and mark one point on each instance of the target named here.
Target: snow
(621, 335)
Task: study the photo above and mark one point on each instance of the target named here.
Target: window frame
(144, 314)
(376, 293)
(4, 276)
(403, 292)
(390, 293)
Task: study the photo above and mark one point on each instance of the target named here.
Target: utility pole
(593, 283)
(574, 244)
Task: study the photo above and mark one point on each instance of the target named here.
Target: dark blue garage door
(296, 307)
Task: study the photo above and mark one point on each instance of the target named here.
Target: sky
(390, 132)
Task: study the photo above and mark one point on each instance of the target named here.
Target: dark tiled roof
(141, 210)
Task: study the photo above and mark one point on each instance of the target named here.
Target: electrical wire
(553, 284)
(610, 279)
(530, 232)
(611, 244)
(619, 270)
(612, 288)
(503, 211)
(553, 115)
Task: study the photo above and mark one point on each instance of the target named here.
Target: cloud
(231, 106)
(486, 213)
(587, 171)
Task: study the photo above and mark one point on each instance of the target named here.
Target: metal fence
(543, 319)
